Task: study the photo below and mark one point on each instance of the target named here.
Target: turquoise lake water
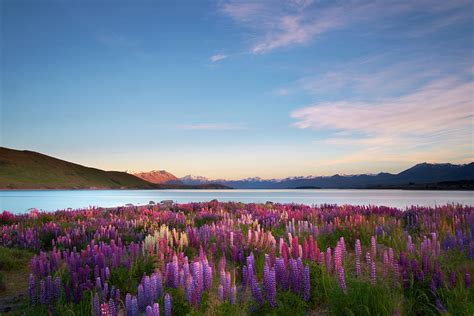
(21, 201)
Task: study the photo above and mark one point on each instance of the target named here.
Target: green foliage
(14, 259)
(226, 309)
(362, 298)
(322, 285)
(179, 304)
(2, 283)
(419, 299)
(458, 300)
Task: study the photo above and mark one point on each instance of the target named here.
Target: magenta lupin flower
(104, 309)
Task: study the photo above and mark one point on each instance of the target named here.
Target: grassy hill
(32, 170)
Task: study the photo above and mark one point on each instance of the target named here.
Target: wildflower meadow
(245, 259)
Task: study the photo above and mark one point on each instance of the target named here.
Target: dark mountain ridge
(420, 174)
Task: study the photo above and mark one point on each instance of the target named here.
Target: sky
(235, 89)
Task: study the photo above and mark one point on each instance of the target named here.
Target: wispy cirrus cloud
(369, 77)
(218, 57)
(279, 24)
(213, 126)
(437, 117)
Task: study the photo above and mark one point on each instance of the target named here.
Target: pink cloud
(435, 118)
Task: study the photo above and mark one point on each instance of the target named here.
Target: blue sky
(234, 89)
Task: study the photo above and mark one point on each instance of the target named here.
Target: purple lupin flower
(233, 295)
(49, 289)
(328, 259)
(156, 309)
(128, 304)
(98, 284)
(141, 297)
(374, 247)
(117, 297)
(270, 285)
(295, 276)
(467, 280)
(257, 294)
(207, 277)
(147, 287)
(373, 274)
(32, 289)
(220, 293)
(306, 283)
(167, 305)
(43, 294)
(281, 273)
(96, 304)
(342, 279)
(159, 284)
(106, 291)
(135, 310)
(149, 311)
(112, 309)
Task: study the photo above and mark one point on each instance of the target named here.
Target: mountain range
(32, 170)
(423, 175)
(158, 177)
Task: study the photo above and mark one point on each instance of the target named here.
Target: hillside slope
(32, 170)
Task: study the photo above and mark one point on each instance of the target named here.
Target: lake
(21, 201)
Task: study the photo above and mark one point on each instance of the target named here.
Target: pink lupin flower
(374, 247)
(104, 309)
(328, 259)
(358, 252)
(373, 272)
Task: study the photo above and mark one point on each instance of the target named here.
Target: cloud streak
(278, 25)
(218, 57)
(437, 117)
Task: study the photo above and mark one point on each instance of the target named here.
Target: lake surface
(21, 201)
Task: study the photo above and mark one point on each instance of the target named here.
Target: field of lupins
(241, 259)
